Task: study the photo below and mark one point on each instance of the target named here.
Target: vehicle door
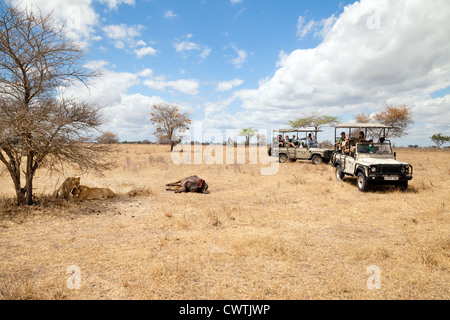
(302, 153)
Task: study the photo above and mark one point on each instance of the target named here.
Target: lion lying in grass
(81, 193)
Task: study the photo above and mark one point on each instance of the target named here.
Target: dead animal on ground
(189, 184)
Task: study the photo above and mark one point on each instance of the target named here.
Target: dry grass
(295, 235)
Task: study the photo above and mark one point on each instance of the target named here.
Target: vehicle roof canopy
(297, 130)
(363, 125)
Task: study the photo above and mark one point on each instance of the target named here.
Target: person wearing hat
(340, 142)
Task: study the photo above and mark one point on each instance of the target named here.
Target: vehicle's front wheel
(339, 174)
(403, 185)
(362, 182)
(282, 158)
(316, 159)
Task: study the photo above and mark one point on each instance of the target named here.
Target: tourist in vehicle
(294, 141)
(310, 140)
(288, 142)
(384, 147)
(362, 137)
(366, 147)
(280, 140)
(340, 142)
(346, 148)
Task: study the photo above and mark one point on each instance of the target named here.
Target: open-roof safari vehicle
(303, 149)
(369, 161)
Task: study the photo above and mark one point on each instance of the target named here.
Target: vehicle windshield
(374, 148)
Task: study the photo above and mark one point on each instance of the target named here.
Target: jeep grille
(386, 169)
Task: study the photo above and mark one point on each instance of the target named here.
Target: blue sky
(259, 63)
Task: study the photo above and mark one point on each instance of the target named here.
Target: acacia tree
(440, 139)
(108, 138)
(37, 125)
(169, 120)
(248, 133)
(314, 120)
(398, 118)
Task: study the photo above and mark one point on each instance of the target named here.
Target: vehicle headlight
(373, 169)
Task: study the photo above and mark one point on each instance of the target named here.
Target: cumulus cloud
(318, 28)
(122, 31)
(228, 85)
(145, 51)
(303, 28)
(186, 86)
(184, 47)
(114, 4)
(106, 89)
(169, 14)
(241, 57)
(372, 54)
(127, 115)
(124, 36)
(78, 17)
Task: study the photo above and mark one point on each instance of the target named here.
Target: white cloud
(228, 85)
(145, 51)
(105, 90)
(129, 117)
(122, 31)
(303, 28)
(241, 57)
(184, 47)
(186, 86)
(114, 4)
(124, 37)
(320, 28)
(235, 1)
(79, 17)
(205, 53)
(169, 14)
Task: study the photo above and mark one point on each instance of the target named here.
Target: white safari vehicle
(303, 149)
(369, 161)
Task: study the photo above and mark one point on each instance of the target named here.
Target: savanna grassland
(298, 234)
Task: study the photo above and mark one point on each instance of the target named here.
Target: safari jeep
(369, 162)
(303, 151)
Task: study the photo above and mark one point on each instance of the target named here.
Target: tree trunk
(29, 179)
(20, 192)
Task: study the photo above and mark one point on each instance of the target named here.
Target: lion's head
(67, 186)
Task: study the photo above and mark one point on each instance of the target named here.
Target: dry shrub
(156, 160)
(141, 192)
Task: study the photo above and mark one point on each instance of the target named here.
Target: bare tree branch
(37, 125)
